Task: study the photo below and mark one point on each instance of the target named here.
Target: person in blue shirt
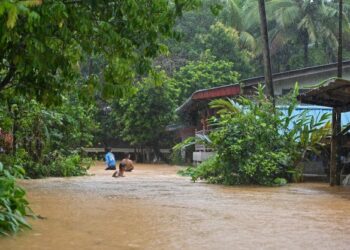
(110, 160)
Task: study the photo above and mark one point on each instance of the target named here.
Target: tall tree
(205, 73)
(146, 114)
(224, 43)
(233, 15)
(266, 52)
(305, 22)
(43, 42)
(340, 40)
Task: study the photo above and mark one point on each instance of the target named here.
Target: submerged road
(153, 208)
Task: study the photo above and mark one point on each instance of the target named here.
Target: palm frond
(225, 106)
(247, 41)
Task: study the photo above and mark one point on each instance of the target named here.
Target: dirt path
(153, 208)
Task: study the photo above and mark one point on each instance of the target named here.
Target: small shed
(334, 93)
(205, 95)
(196, 109)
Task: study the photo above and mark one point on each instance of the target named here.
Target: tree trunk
(338, 142)
(8, 78)
(266, 52)
(335, 144)
(340, 40)
(14, 132)
(135, 154)
(305, 39)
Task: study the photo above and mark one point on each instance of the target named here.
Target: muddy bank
(153, 208)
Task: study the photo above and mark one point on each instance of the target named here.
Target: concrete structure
(306, 78)
(199, 156)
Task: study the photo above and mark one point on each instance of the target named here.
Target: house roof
(219, 92)
(333, 93)
(297, 73)
(208, 94)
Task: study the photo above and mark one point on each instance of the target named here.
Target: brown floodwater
(153, 208)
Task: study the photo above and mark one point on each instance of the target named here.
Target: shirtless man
(124, 165)
(129, 164)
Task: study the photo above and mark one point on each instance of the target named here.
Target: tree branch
(72, 2)
(8, 78)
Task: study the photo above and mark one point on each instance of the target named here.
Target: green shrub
(13, 205)
(279, 182)
(248, 139)
(186, 171)
(212, 170)
(72, 165)
(58, 165)
(176, 158)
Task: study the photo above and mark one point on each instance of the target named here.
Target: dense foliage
(202, 32)
(55, 57)
(142, 118)
(256, 144)
(42, 135)
(205, 73)
(302, 33)
(13, 205)
(42, 43)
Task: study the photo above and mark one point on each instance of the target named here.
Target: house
(335, 93)
(195, 110)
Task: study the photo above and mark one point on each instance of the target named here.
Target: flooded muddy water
(153, 208)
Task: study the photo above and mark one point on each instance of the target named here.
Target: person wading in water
(125, 165)
(110, 159)
(129, 164)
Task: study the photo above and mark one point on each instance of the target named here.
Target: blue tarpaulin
(316, 112)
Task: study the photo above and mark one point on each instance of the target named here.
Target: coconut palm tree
(233, 15)
(266, 51)
(340, 39)
(306, 21)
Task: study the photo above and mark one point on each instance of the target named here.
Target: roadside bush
(13, 204)
(216, 171)
(48, 139)
(213, 171)
(176, 158)
(57, 165)
(249, 141)
(188, 171)
(73, 165)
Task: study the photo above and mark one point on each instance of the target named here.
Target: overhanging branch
(8, 78)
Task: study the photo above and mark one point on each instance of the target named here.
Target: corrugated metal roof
(207, 94)
(333, 93)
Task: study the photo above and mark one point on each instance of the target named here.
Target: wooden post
(15, 128)
(333, 161)
(338, 142)
(335, 146)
